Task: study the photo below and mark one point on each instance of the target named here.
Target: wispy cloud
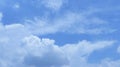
(1, 15)
(70, 22)
(53, 4)
(16, 6)
(20, 45)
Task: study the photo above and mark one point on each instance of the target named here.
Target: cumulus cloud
(70, 22)
(43, 53)
(20, 48)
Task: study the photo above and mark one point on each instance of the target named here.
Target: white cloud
(43, 53)
(86, 47)
(110, 63)
(78, 53)
(19, 48)
(10, 38)
(53, 4)
(71, 23)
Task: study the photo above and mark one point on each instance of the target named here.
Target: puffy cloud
(10, 42)
(43, 53)
(20, 48)
(15, 29)
(27, 50)
(70, 22)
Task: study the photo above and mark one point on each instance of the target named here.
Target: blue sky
(59, 33)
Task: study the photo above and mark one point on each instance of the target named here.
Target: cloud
(20, 48)
(24, 49)
(10, 38)
(70, 22)
(109, 63)
(1, 15)
(53, 4)
(43, 53)
(78, 53)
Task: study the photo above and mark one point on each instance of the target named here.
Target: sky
(59, 33)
